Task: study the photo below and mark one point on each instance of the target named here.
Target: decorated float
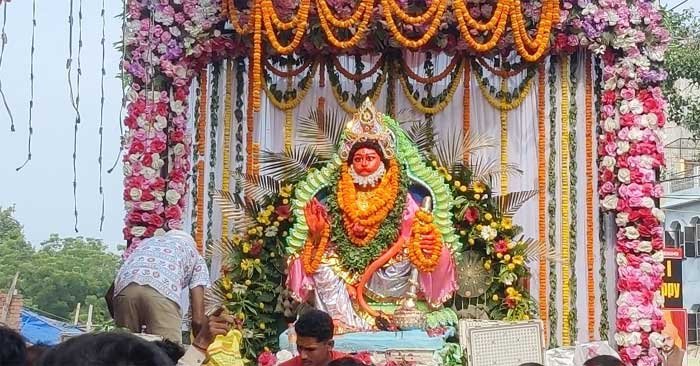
(404, 165)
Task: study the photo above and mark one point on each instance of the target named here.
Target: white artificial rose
(157, 161)
(644, 246)
(659, 214)
(161, 122)
(135, 194)
(645, 324)
(177, 106)
(656, 340)
(658, 257)
(179, 149)
(622, 218)
(635, 134)
(621, 260)
(172, 196)
(636, 106)
(658, 299)
(646, 267)
(610, 202)
(127, 169)
(147, 206)
(158, 195)
(138, 231)
(648, 202)
(623, 147)
(159, 232)
(148, 173)
(631, 232)
(624, 175)
(611, 124)
(609, 162)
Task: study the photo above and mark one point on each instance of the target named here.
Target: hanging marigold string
(532, 50)
(213, 137)
(202, 121)
(389, 8)
(504, 141)
(357, 76)
(255, 72)
(424, 256)
(466, 110)
(342, 96)
(359, 19)
(573, 193)
(504, 99)
(256, 158)
(250, 122)
(542, 196)
(228, 121)
(313, 254)
(273, 25)
(552, 183)
(199, 228)
(564, 203)
(291, 98)
(229, 8)
(496, 25)
(590, 266)
(288, 128)
(508, 71)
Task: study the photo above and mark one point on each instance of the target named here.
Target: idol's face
(366, 161)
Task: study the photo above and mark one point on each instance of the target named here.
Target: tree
(60, 274)
(682, 87)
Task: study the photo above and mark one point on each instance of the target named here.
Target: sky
(42, 192)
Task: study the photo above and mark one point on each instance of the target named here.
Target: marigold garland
(325, 16)
(504, 142)
(357, 76)
(553, 315)
(589, 196)
(203, 99)
(411, 19)
(532, 50)
(292, 98)
(255, 70)
(312, 255)
(503, 99)
(564, 203)
(342, 96)
(497, 25)
(406, 69)
(573, 195)
(288, 128)
(542, 186)
(234, 17)
(425, 259)
(273, 24)
(228, 121)
(398, 35)
(366, 209)
(250, 120)
(199, 228)
(508, 71)
(288, 73)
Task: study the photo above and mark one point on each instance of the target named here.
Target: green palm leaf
(259, 188)
(290, 165)
(422, 135)
(511, 202)
(485, 169)
(243, 212)
(451, 150)
(321, 130)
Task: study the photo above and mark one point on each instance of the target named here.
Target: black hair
(530, 364)
(369, 144)
(34, 353)
(106, 349)
(346, 361)
(13, 350)
(315, 324)
(603, 360)
(172, 349)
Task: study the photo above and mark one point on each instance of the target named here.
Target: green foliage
(60, 274)
(683, 63)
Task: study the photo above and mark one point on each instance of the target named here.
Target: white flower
(622, 218)
(147, 206)
(127, 169)
(658, 299)
(659, 214)
(658, 256)
(621, 260)
(623, 147)
(624, 175)
(177, 106)
(635, 134)
(656, 339)
(138, 231)
(172, 196)
(631, 232)
(161, 122)
(646, 267)
(645, 324)
(609, 162)
(135, 194)
(148, 173)
(644, 246)
(645, 161)
(611, 124)
(159, 232)
(610, 202)
(648, 202)
(488, 233)
(179, 149)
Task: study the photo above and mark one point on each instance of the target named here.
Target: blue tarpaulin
(37, 329)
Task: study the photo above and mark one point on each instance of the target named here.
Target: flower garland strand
(30, 131)
(389, 8)
(195, 166)
(213, 130)
(564, 204)
(201, 131)
(250, 119)
(228, 121)
(342, 96)
(590, 264)
(501, 98)
(360, 20)
(504, 141)
(432, 105)
(573, 197)
(240, 90)
(424, 258)
(553, 314)
(542, 196)
(466, 111)
(103, 72)
(602, 272)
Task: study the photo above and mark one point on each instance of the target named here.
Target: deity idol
(367, 234)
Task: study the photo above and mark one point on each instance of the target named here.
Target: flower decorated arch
(168, 42)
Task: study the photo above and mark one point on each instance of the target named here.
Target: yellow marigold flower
(487, 265)
(471, 241)
(494, 224)
(479, 187)
(511, 266)
(488, 216)
(507, 223)
(448, 177)
(463, 189)
(458, 184)
(506, 257)
(226, 283)
(229, 296)
(518, 259)
(477, 196)
(494, 297)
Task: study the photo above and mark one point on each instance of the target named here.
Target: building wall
(683, 214)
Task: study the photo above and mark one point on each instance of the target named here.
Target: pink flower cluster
(162, 42)
(631, 42)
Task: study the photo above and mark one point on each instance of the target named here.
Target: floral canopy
(168, 42)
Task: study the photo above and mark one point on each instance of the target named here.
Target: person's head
(531, 364)
(603, 360)
(346, 361)
(669, 342)
(106, 349)
(35, 352)
(366, 158)
(314, 331)
(172, 349)
(13, 350)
